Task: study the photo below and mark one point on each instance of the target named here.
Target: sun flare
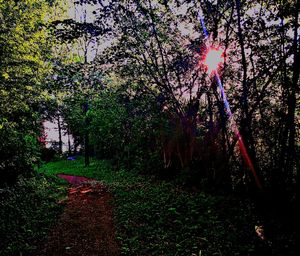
(213, 59)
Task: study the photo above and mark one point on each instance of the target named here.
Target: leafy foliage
(166, 221)
(23, 53)
(27, 210)
(123, 129)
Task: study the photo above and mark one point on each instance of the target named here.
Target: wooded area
(203, 94)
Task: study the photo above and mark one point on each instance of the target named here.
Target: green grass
(159, 218)
(99, 170)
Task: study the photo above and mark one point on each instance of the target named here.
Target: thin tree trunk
(86, 137)
(292, 98)
(246, 127)
(288, 154)
(59, 135)
(210, 113)
(69, 141)
(86, 152)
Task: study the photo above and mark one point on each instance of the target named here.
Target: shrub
(27, 210)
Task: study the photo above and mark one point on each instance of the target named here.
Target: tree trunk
(86, 136)
(210, 113)
(246, 124)
(59, 135)
(69, 141)
(291, 156)
(287, 144)
(86, 149)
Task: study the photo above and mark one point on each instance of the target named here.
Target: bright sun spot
(213, 59)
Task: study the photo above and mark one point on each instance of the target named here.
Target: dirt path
(86, 226)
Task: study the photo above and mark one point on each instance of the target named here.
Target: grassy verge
(159, 218)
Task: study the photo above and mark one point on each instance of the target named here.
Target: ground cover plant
(27, 211)
(160, 218)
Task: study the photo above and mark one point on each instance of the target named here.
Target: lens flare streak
(242, 146)
(200, 17)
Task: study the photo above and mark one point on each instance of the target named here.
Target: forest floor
(86, 226)
(119, 212)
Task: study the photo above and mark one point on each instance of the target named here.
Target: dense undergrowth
(159, 218)
(152, 217)
(27, 211)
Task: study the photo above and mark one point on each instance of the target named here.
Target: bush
(19, 154)
(26, 212)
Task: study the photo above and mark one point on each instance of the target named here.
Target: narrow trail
(86, 226)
